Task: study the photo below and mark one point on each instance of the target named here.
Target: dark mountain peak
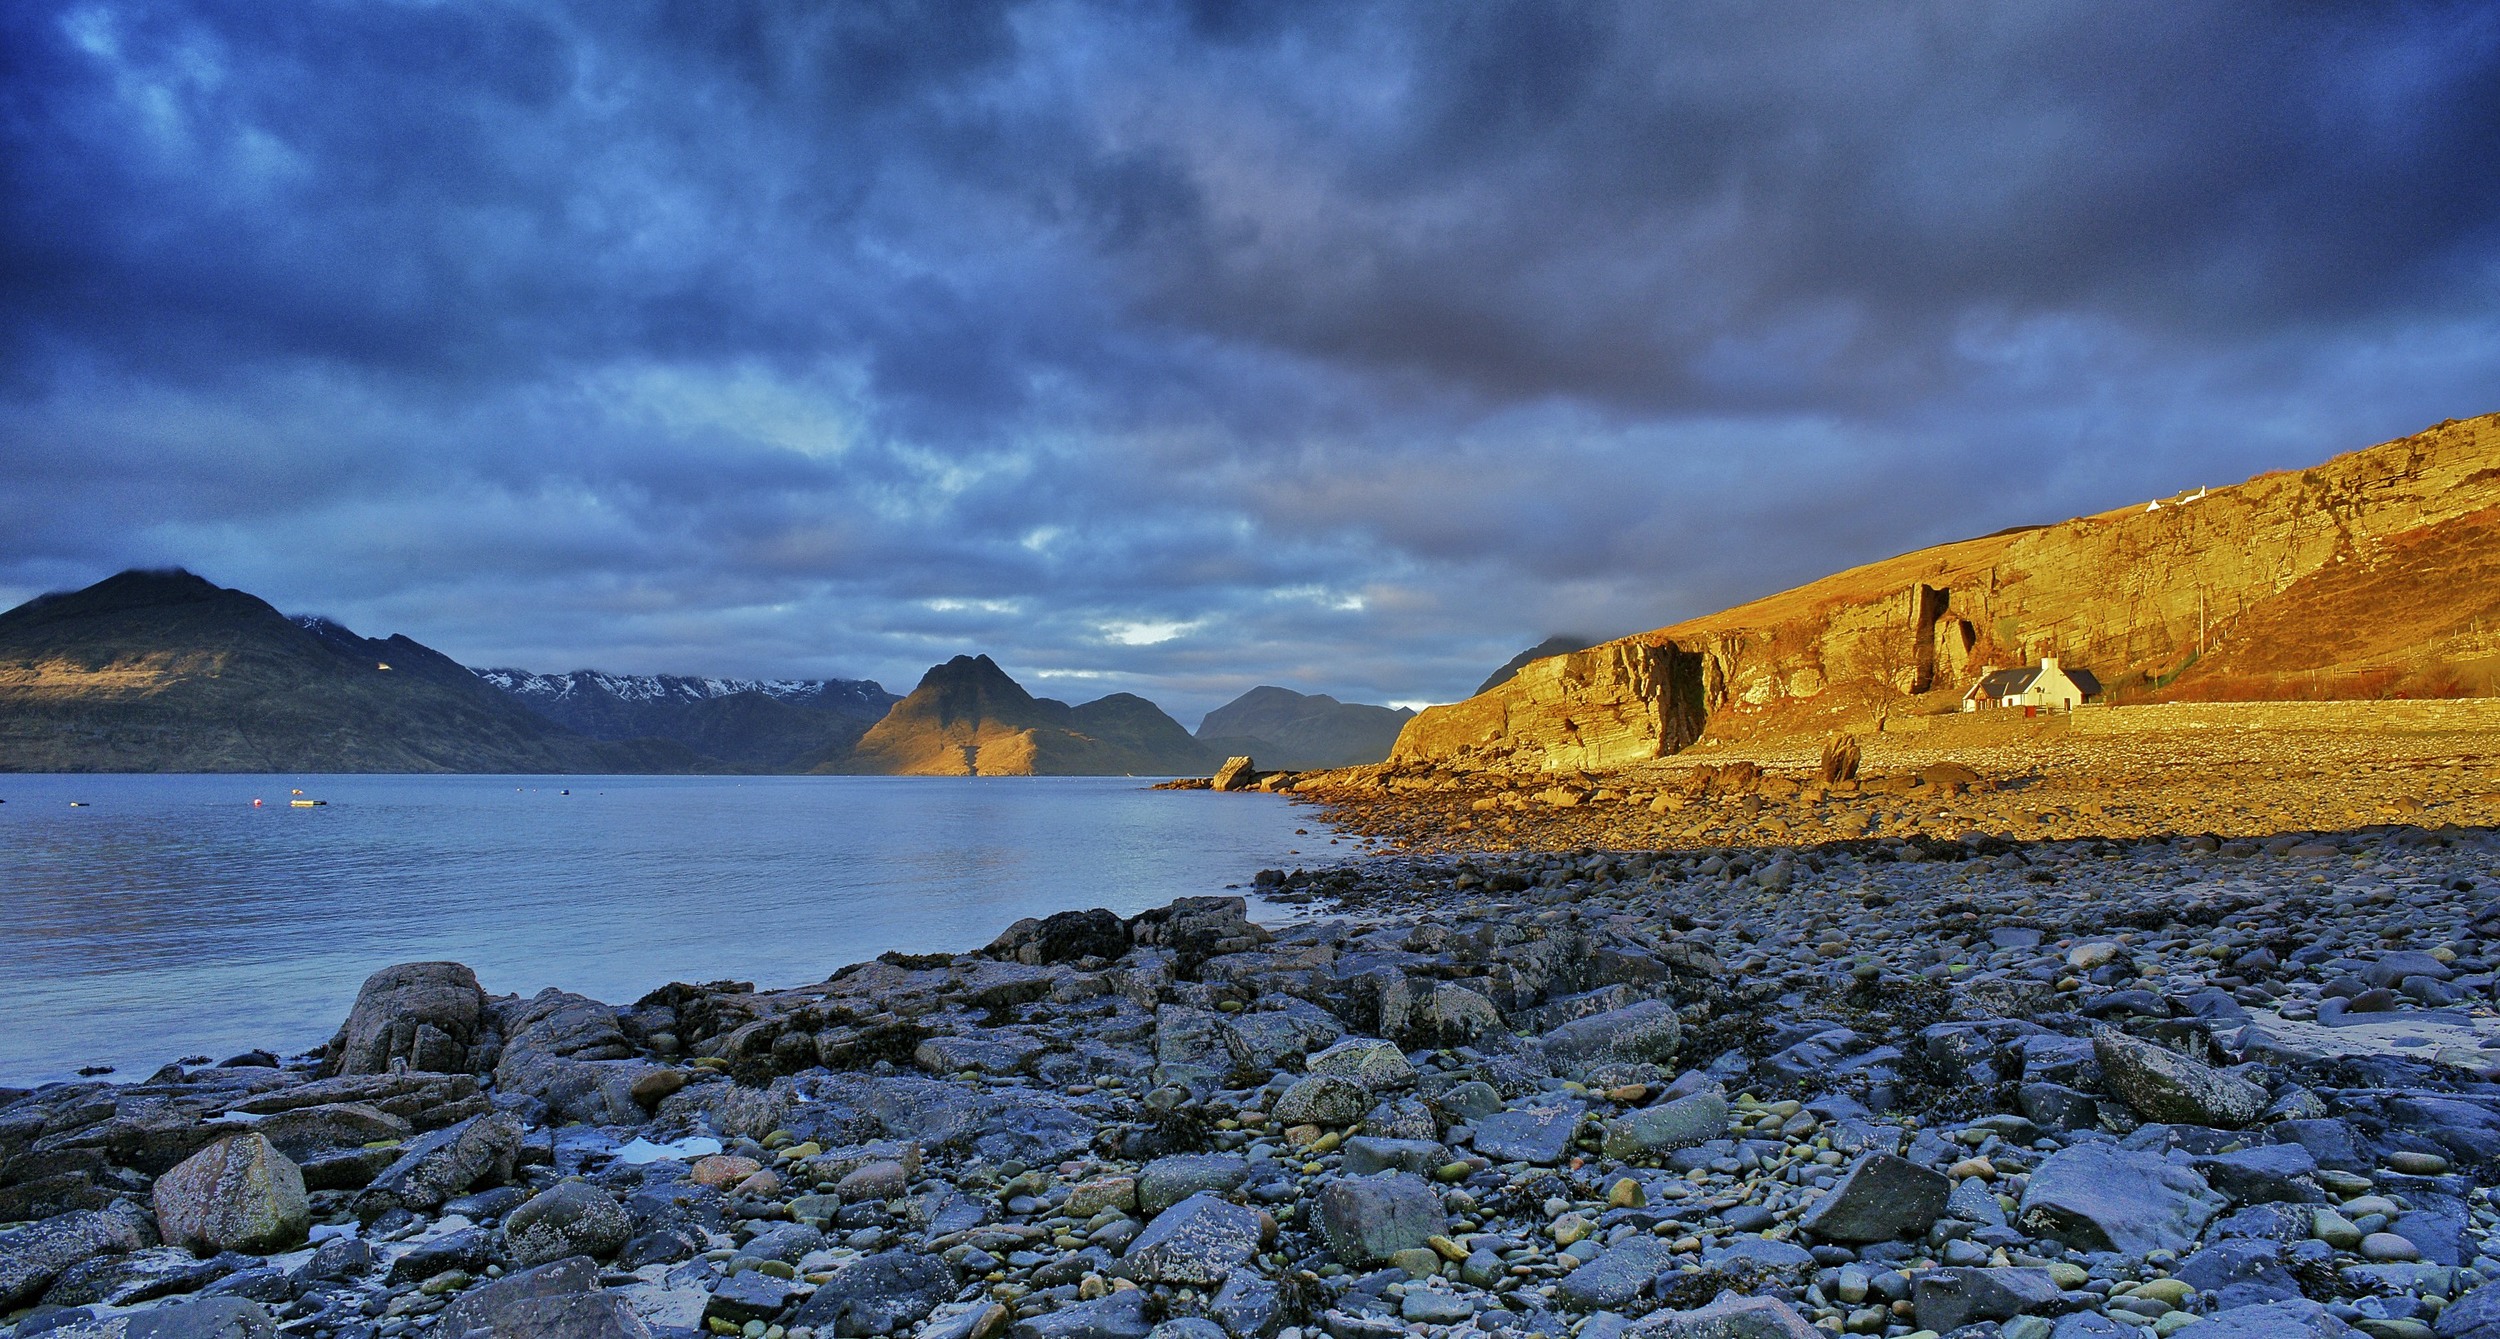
(1283, 728)
(140, 588)
(1560, 645)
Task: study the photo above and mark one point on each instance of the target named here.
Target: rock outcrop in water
(2086, 1089)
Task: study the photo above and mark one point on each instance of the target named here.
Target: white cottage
(2047, 685)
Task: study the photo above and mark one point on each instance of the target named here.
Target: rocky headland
(2079, 1087)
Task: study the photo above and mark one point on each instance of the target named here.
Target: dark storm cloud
(1179, 348)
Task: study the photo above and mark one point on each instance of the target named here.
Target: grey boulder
(567, 1219)
(1948, 1299)
(426, 1014)
(237, 1194)
(1881, 1198)
(1200, 1240)
(2163, 1085)
(34, 1255)
(2096, 1198)
(1728, 1318)
(1620, 1275)
(879, 1294)
(1367, 1219)
(487, 1307)
(479, 1151)
(1652, 1132)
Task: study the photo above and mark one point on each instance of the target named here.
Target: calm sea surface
(168, 917)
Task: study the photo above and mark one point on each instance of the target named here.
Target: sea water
(149, 918)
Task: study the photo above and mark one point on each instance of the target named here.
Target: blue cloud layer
(1178, 348)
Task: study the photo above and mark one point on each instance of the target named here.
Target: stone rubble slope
(2082, 1089)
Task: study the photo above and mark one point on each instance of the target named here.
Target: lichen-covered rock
(1880, 1198)
(34, 1255)
(238, 1194)
(880, 1294)
(567, 1219)
(2163, 1085)
(1199, 1241)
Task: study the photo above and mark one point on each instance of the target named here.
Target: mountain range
(165, 671)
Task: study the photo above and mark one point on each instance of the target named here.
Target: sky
(1179, 347)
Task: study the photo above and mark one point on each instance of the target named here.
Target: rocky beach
(2103, 1086)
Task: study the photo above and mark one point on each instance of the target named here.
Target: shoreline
(1872, 1085)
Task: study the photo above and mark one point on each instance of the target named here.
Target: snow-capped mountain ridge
(667, 687)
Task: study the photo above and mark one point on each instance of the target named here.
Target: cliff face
(1603, 707)
(968, 718)
(2365, 576)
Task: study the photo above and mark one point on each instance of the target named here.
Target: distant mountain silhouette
(1551, 646)
(1294, 731)
(162, 671)
(968, 718)
(765, 724)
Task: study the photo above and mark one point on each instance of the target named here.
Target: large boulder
(1948, 1299)
(1063, 937)
(479, 1151)
(1643, 1033)
(1652, 1132)
(1376, 1064)
(1538, 1134)
(2097, 1198)
(1199, 1241)
(205, 1318)
(1367, 1219)
(880, 1294)
(1167, 1181)
(1323, 1099)
(2163, 1085)
(34, 1255)
(1728, 1318)
(1881, 1197)
(567, 1219)
(238, 1194)
(2296, 1318)
(427, 1015)
(1618, 1277)
(491, 1306)
(568, 1051)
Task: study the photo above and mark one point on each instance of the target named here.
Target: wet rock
(235, 1195)
(2476, 1315)
(427, 1015)
(1367, 1219)
(307, 1131)
(750, 1296)
(1323, 1099)
(881, 1294)
(1880, 1198)
(1652, 1132)
(2162, 1085)
(1620, 1275)
(1064, 937)
(1647, 1032)
(1366, 1154)
(597, 1315)
(567, 1219)
(1538, 1134)
(1250, 1307)
(434, 1167)
(2239, 1271)
(1377, 1065)
(205, 1318)
(1728, 1318)
(2266, 1174)
(2295, 1319)
(568, 1051)
(1948, 1299)
(470, 1249)
(1122, 1315)
(2097, 1198)
(1165, 1182)
(1200, 1240)
(490, 1306)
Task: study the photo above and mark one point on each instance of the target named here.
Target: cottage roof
(2008, 682)
(2084, 682)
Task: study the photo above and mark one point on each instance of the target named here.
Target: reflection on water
(169, 917)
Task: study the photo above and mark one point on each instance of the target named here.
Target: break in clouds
(1179, 348)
